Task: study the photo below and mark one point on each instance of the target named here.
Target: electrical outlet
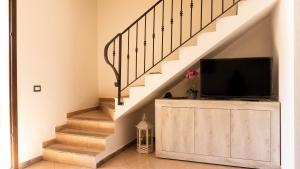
(37, 88)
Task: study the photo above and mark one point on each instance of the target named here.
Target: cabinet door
(251, 135)
(212, 132)
(177, 129)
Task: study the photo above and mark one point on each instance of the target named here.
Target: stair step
(82, 138)
(137, 85)
(84, 133)
(110, 105)
(266, 6)
(96, 115)
(73, 149)
(169, 66)
(106, 99)
(125, 96)
(155, 73)
(92, 125)
(136, 91)
(108, 108)
(187, 52)
(151, 79)
(73, 155)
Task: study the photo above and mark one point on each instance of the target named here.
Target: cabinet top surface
(223, 103)
(219, 100)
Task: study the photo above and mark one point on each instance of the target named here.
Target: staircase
(83, 137)
(90, 136)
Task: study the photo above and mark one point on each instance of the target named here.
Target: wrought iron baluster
(128, 56)
(153, 37)
(223, 6)
(191, 18)
(172, 21)
(136, 48)
(114, 52)
(119, 78)
(212, 11)
(201, 15)
(181, 15)
(145, 43)
(236, 8)
(162, 29)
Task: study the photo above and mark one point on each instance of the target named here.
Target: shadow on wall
(125, 129)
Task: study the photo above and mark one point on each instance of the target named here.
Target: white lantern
(144, 136)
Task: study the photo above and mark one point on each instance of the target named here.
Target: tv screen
(236, 78)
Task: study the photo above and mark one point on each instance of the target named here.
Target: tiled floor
(130, 159)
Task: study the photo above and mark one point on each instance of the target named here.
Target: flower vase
(193, 95)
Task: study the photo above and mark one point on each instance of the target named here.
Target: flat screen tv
(244, 78)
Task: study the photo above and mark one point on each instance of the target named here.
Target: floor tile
(42, 165)
(130, 159)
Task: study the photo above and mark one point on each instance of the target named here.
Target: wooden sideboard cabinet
(235, 133)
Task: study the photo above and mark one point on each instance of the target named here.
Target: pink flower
(191, 74)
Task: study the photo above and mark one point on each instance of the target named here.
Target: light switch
(37, 88)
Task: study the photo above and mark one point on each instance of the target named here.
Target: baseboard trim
(30, 162)
(116, 153)
(70, 114)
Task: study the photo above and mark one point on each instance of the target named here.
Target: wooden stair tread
(137, 85)
(93, 115)
(84, 133)
(155, 73)
(106, 99)
(73, 149)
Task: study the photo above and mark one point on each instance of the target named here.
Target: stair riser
(82, 141)
(107, 109)
(135, 92)
(187, 52)
(230, 12)
(91, 125)
(69, 158)
(107, 104)
(151, 80)
(169, 67)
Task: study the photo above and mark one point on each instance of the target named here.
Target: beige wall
(56, 49)
(111, 21)
(283, 50)
(4, 87)
(257, 42)
(297, 82)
